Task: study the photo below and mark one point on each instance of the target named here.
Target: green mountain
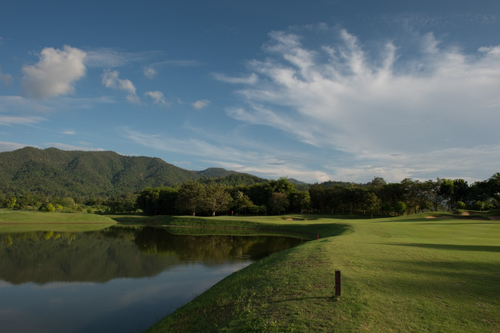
(99, 173)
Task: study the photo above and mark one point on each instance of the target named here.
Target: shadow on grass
(458, 223)
(486, 248)
(129, 219)
(442, 220)
(310, 232)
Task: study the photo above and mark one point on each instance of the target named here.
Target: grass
(398, 274)
(25, 221)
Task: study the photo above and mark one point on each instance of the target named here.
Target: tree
(12, 202)
(217, 198)
(460, 193)
(278, 202)
(376, 183)
(191, 196)
(59, 208)
(371, 203)
(50, 208)
(241, 202)
(400, 207)
(446, 192)
(318, 197)
(301, 200)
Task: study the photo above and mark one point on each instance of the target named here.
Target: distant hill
(98, 173)
(215, 173)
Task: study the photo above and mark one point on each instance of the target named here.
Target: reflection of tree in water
(100, 256)
(44, 257)
(211, 249)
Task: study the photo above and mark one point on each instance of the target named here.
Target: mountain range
(56, 172)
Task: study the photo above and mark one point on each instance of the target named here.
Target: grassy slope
(24, 221)
(398, 274)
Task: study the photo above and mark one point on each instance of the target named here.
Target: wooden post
(337, 283)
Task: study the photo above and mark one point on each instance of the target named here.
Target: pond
(116, 279)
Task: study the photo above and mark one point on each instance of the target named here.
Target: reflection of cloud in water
(4, 284)
(126, 281)
(175, 286)
(13, 320)
(58, 285)
(139, 294)
(55, 301)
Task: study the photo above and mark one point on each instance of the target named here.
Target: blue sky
(313, 90)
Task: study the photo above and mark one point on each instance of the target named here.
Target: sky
(312, 90)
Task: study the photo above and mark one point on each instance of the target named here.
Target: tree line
(282, 197)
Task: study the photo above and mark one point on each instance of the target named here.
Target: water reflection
(116, 279)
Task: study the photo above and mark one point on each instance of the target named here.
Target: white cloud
(20, 104)
(251, 79)
(133, 99)
(5, 78)
(64, 146)
(198, 105)
(69, 132)
(149, 72)
(9, 120)
(374, 105)
(110, 79)
(106, 57)
(158, 97)
(9, 146)
(25, 105)
(260, 161)
(55, 73)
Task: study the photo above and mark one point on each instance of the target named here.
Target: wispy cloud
(9, 146)
(70, 147)
(263, 161)
(68, 132)
(149, 72)
(198, 105)
(5, 78)
(109, 58)
(8, 120)
(20, 104)
(55, 73)
(339, 97)
(178, 63)
(251, 79)
(428, 21)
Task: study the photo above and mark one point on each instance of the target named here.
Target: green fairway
(24, 221)
(398, 274)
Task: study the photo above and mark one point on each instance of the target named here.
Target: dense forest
(210, 197)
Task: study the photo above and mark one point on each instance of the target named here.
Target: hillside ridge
(62, 173)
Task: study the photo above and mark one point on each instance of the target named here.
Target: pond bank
(398, 274)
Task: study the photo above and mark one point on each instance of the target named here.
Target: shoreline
(390, 268)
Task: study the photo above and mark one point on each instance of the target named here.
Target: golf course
(429, 272)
